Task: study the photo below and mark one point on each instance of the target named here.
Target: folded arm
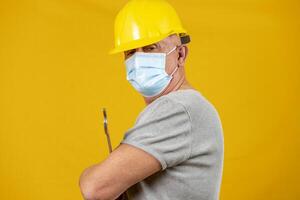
(124, 167)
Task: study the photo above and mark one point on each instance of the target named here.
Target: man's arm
(125, 166)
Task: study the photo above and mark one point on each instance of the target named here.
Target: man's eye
(129, 53)
(149, 48)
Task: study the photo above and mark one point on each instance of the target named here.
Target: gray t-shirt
(183, 131)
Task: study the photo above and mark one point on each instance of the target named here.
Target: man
(175, 149)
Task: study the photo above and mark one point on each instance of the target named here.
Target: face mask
(146, 72)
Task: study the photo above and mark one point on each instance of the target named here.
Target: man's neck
(181, 85)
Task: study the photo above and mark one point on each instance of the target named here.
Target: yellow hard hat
(143, 22)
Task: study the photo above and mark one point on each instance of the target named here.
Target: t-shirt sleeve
(164, 132)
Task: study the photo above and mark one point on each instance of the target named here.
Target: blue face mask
(146, 72)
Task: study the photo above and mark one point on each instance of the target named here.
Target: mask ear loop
(174, 71)
(177, 66)
(172, 50)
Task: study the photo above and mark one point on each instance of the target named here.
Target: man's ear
(182, 54)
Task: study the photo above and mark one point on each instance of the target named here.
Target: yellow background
(56, 75)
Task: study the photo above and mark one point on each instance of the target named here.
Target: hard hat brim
(142, 42)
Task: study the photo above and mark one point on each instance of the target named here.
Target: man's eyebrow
(154, 44)
(133, 50)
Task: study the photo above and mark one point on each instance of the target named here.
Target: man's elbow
(90, 190)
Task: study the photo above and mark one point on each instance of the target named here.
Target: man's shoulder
(188, 100)
(197, 105)
(163, 104)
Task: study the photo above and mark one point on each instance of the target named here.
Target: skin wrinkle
(174, 59)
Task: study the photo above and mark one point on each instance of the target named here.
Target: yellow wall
(56, 75)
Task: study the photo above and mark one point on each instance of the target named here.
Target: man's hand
(124, 167)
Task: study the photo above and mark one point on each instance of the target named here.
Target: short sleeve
(164, 131)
